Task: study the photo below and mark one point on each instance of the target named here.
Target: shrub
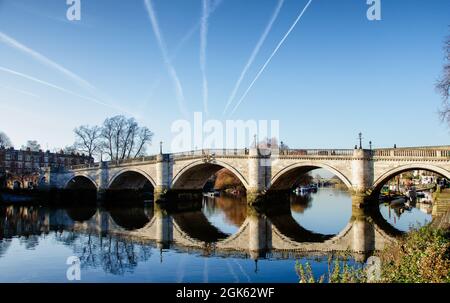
(422, 256)
(339, 271)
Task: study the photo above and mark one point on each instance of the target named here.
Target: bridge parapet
(317, 152)
(115, 163)
(135, 160)
(84, 166)
(207, 152)
(413, 152)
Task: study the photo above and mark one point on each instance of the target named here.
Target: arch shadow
(81, 181)
(130, 185)
(81, 190)
(194, 175)
(197, 226)
(131, 218)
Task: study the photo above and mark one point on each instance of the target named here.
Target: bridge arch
(82, 181)
(285, 178)
(81, 214)
(130, 218)
(133, 173)
(381, 180)
(195, 225)
(195, 174)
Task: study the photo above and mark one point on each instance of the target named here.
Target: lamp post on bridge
(360, 140)
(160, 147)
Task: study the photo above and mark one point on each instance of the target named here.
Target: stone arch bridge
(260, 170)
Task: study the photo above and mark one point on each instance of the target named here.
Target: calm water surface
(35, 242)
(405, 217)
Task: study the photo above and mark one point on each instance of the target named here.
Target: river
(149, 244)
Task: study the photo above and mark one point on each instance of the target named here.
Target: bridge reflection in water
(268, 232)
(118, 239)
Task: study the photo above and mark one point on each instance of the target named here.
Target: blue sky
(336, 74)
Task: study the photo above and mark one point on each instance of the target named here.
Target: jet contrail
(233, 273)
(203, 44)
(7, 70)
(243, 271)
(187, 36)
(254, 54)
(24, 92)
(167, 61)
(271, 56)
(41, 58)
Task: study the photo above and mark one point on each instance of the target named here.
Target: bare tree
(107, 136)
(128, 138)
(443, 85)
(33, 145)
(123, 138)
(143, 138)
(4, 140)
(70, 149)
(87, 139)
(112, 132)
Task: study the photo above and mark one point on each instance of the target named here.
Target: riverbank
(421, 256)
(441, 207)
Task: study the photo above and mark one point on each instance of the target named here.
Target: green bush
(421, 256)
(339, 271)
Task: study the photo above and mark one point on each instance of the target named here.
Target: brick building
(20, 168)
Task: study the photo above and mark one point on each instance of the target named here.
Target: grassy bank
(442, 195)
(421, 256)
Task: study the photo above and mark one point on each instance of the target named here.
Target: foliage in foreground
(422, 256)
(339, 271)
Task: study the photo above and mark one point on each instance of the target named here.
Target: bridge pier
(256, 177)
(260, 234)
(164, 226)
(362, 176)
(163, 177)
(101, 195)
(103, 181)
(255, 197)
(363, 231)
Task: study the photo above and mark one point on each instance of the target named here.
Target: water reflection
(404, 213)
(220, 230)
(226, 212)
(131, 218)
(327, 211)
(223, 223)
(112, 254)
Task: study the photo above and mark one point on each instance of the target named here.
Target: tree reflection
(233, 208)
(300, 203)
(22, 221)
(113, 254)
